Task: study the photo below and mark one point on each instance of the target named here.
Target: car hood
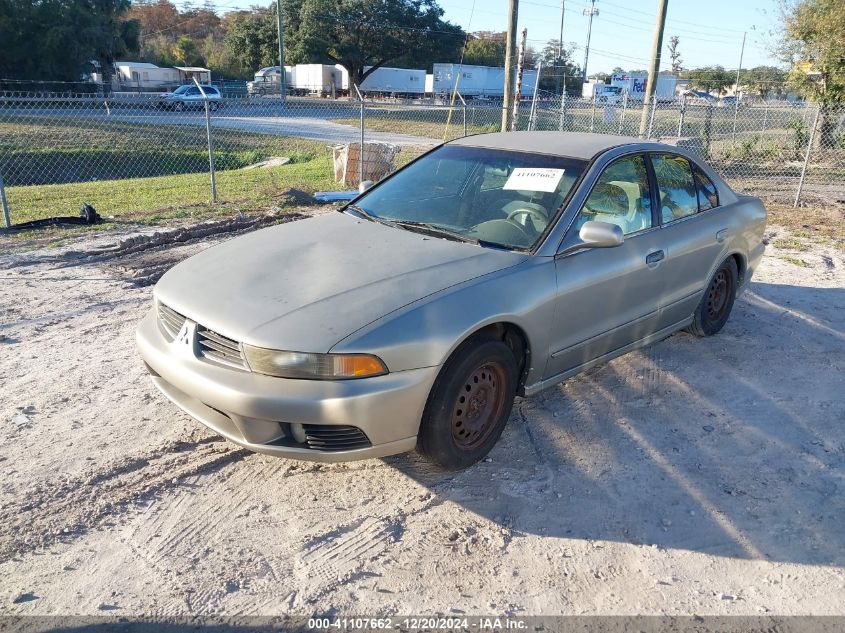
(305, 285)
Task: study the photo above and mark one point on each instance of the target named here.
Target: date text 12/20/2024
(417, 624)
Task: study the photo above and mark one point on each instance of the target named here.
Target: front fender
(425, 333)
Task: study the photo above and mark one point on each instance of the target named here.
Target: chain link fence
(134, 154)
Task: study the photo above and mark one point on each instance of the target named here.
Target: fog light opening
(298, 432)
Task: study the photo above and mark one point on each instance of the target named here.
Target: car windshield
(181, 90)
(496, 198)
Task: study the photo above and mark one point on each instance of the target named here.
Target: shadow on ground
(731, 445)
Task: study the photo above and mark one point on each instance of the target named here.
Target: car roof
(565, 144)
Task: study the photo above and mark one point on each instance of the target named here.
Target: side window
(621, 196)
(708, 197)
(192, 91)
(678, 196)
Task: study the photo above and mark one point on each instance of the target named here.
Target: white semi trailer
(477, 81)
(394, 81)
(634, 84)
(321, 79)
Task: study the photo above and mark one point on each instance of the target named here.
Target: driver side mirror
(595, 234)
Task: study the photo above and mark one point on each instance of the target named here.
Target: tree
(104, 31)
(814, 43)
(675, 54)
(485, 51)
(185, 51)
(56, 39)
(763, 80)
(710, 78)
(252, 39)
(557, 73)
(359, 34)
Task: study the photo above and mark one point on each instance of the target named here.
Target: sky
(710, 31)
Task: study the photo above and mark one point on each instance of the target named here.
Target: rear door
(694, 230)
(608, 298)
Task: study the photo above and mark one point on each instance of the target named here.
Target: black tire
(213, 105)
(469, 404)
(178, 106)
(718, 300)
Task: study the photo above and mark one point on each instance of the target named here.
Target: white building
(130, 75)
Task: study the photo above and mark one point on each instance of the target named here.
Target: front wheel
(715, 306)
(178, 106)
(469, 404)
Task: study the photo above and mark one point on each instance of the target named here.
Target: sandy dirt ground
(698, 476)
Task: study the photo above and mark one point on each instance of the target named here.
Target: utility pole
(520, 63)
(656, 46)
(560, 52)
(591, 12)
(507, 98)
(282, 79)
(736, 86)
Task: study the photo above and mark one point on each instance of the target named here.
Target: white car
(189, 96)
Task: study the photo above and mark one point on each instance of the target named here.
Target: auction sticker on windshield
(534, 179)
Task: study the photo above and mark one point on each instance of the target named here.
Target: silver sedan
(493, 266)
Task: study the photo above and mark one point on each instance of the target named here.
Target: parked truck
(602, 92)
(634, 84)
(477, 81)
(266, 80)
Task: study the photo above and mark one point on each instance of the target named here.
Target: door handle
(721, 235)
(655, 257)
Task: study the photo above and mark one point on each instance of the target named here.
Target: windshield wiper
(433, 229)
(427, 228)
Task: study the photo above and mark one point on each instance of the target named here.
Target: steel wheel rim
(717, 295)
(478, 405)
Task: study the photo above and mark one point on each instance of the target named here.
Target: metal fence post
(708, 129)
(765, 114)
(5, 204)
(624, 110)
(593, 114)
(534, 97)
(464, 108)
(651, 117)
(562, 120)
(361, 153)
(210, 143)
(807, 158)
(681, 115)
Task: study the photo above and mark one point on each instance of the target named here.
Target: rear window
(708, 195)
(678, 193)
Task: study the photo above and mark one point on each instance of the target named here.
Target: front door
(608, 298)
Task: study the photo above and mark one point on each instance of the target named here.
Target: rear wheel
(213, 105)
(715, 306)
(469, 405)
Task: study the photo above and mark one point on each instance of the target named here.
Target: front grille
(220, 349)
(170, 320)
(335, 438)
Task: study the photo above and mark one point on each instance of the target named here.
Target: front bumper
(253, 410)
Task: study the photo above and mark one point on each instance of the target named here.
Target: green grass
(147, 172)
(42, 151)
(164, 197)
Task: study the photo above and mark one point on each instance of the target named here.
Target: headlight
(312, 366)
